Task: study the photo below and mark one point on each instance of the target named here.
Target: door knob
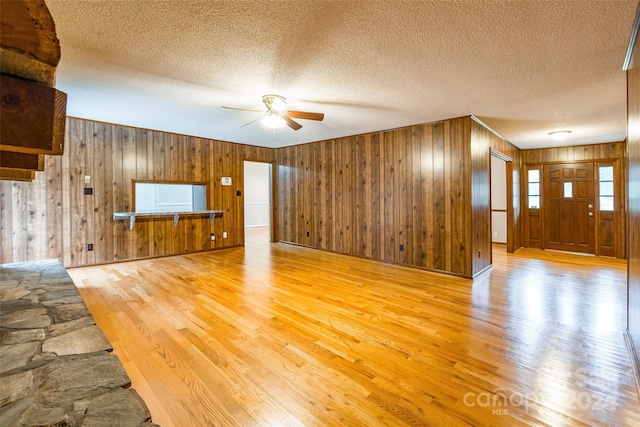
(590, 213)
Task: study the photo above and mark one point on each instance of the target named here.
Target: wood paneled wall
(633, 232)
(417, 196)
(483, 141)
(608, 152)
(52, 218)
(402, 196)
(576, 153)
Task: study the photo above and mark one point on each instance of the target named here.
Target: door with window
(569, 207)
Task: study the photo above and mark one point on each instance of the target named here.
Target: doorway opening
(257, 202)
(498, 203)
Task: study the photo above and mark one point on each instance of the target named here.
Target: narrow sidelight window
(534, 188)
(606, 188)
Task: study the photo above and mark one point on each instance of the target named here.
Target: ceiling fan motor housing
(275, 102)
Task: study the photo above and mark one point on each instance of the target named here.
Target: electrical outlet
(495, 234)
(307, 234)
(479, 253)
(401, 248)
(212, 237)
(87, 179)
(90, 247)
(224, 234)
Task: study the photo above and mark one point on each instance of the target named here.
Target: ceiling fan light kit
(277, 114)
(273, 121)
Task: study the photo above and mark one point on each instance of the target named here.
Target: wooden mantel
(32, 111)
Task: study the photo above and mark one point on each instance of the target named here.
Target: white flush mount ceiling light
(559, 135)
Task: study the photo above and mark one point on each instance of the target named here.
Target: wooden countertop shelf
(131, 216)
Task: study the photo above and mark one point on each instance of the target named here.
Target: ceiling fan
(277, 114)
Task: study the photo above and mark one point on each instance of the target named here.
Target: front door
(569, 199)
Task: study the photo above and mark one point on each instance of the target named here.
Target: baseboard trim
(485, 271)
(635, 361)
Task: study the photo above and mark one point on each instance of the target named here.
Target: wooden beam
(32, 117)
(12, 160)
(29, 46)
(17, 175)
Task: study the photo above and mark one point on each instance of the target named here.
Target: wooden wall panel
(613, 150)
(401, 196)
(483, 143)
(52, 218)
(480, 201)
(633, 138)
(515, 220)
(608, 152)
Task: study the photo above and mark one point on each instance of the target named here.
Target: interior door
(569, 213)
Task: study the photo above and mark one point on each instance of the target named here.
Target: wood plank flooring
(279, 335)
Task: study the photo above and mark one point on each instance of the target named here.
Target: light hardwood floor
(279, 335)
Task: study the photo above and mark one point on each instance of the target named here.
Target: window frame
(162, 181)
(537, 168)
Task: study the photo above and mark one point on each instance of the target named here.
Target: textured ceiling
(525, 68)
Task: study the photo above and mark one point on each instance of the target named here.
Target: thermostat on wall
(226, 180)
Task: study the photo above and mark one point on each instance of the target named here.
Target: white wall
(498, 200)
(152, 197)
(257, 194)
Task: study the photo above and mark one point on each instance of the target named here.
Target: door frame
(511, 247)
(619, 194)
(273, 210)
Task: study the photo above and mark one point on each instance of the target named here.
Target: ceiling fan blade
(305, 115)
(291, 123)
(253, 121)
(243, 109)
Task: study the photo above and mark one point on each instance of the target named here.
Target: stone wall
(55, 363)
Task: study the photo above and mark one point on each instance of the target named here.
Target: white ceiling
(525, 68)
